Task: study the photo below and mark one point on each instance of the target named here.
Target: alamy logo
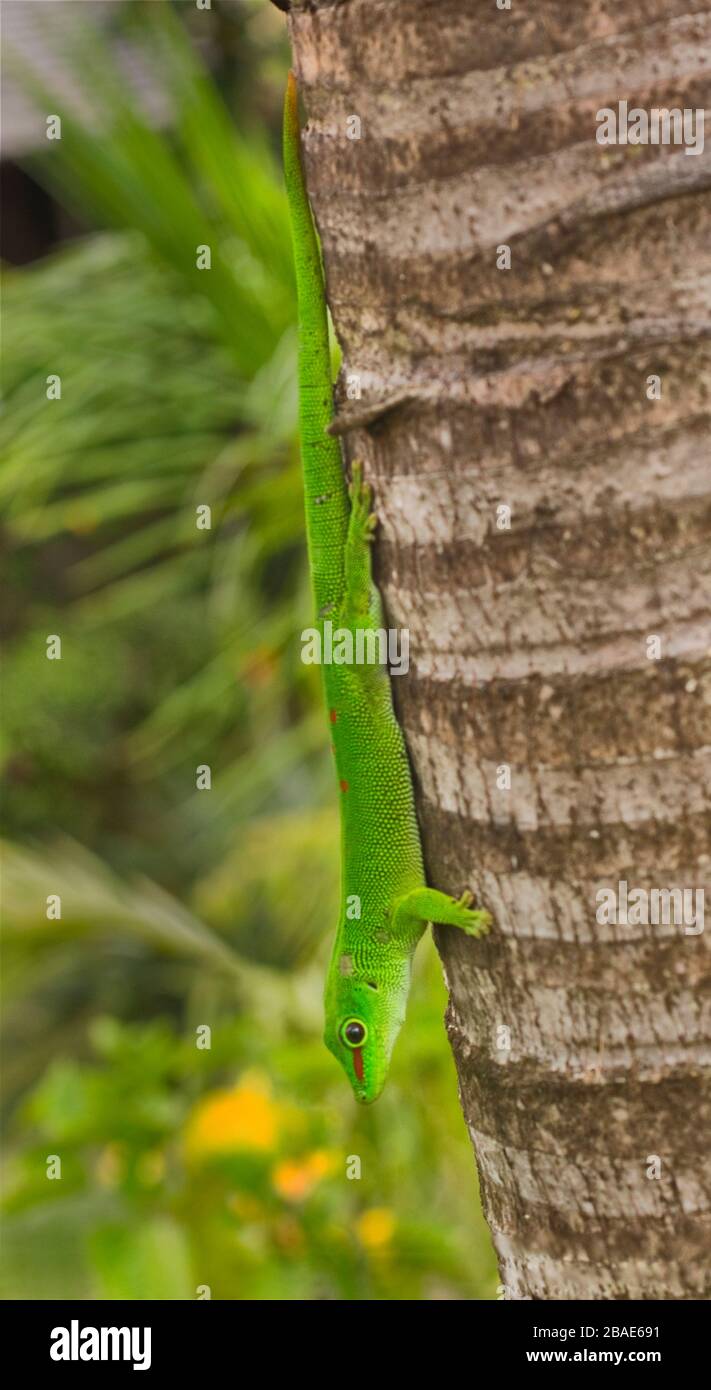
(639, 908)
(75, 1343)
(658, 126)
(367, 646)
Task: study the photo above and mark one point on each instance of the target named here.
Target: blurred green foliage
(184, 1165)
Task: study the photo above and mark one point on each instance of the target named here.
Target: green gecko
(386, 904)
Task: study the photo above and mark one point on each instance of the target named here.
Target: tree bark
(528, 388)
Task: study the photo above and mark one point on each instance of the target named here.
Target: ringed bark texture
(528, 388)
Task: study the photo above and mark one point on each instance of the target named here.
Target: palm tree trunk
(580, 1045)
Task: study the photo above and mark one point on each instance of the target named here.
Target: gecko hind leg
(361, 608)
(357, 558)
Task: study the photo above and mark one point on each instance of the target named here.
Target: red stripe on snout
(358, 1062)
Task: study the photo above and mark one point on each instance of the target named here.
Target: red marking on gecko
(332, 716)
(344, 786)
(358, 1062)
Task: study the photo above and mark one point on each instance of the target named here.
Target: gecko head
(363, 1018)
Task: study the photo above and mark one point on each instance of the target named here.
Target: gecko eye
(353, 1032)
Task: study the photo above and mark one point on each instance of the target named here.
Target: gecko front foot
(475, 922)
(429, 905)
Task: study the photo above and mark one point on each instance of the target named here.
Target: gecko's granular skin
(385, 902)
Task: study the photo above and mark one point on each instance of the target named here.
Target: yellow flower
(295, 1179)
(322, 1162)
(375, 1228)
(244, 1117)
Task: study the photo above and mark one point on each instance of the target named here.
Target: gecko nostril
(371, 984)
